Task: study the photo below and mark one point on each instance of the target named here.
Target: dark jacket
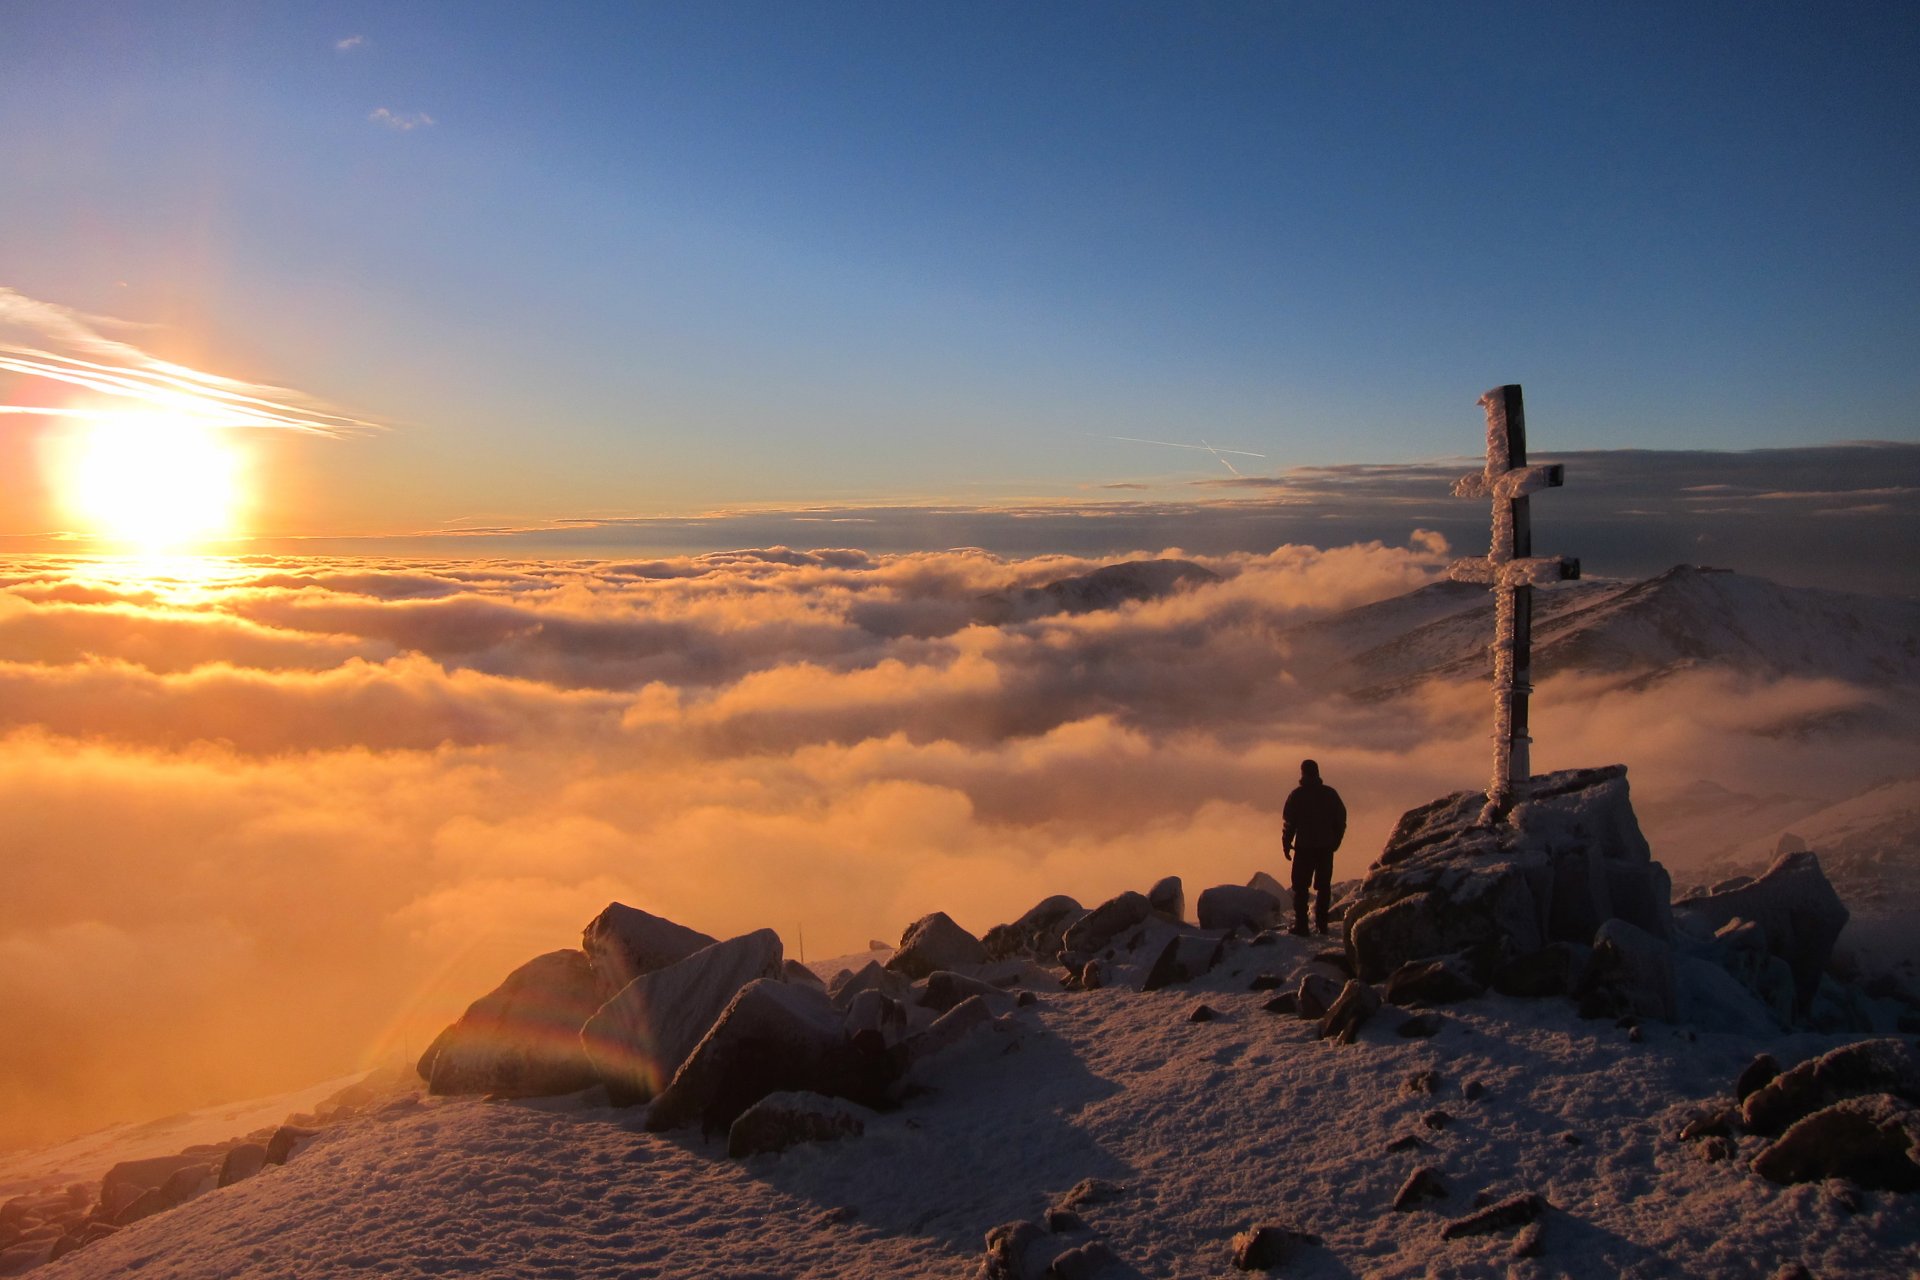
(1314, 818)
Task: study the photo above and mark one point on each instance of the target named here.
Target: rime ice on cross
(1512, 570)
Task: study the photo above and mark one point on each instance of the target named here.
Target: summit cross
(1511, 569)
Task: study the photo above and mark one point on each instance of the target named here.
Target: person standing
(1311, 828)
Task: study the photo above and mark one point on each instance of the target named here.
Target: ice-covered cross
(1511, 569)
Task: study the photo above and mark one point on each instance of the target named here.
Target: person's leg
(1323, 881)
(1302, 886)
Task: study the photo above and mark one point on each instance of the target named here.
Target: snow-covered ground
(1210, 1126)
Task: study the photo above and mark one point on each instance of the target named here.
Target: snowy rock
(869, 977)
(286, 1142)
(1514, 1211)
(1566, 860)
(1016, 1251)
(1358, 1001)
(184, 1184)
(1633, 971)
(1873, 1140)
(1038, 933)
(242, 1162)
(946, 989)
(1184, 958)
(1424, 1083)
(1233, 906)
(639, 1038)
(1090, 1191)
(1267, 884)
(1064, 1221)
(1095, 974)
(1168, 898)
(1422, 1185)
(1710, 998)
(1445, 980)
(794, 971)
(935, 942)
(1202, 1013)
(623, 942)
(1270, 1248)
(782, 1120)
(1287, 1002)
(1315, 995)
(1086, 1262)
(144, 1205)
(125, 1181)
(1530, 1243)
(1755, 1076)
(523, 1038)
(1796, 907)
(953, 1026)
(1100, 926)
(875, 1011)
(1852, 1071)
(771, 1037)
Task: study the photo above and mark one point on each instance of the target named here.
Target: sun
(150, 482)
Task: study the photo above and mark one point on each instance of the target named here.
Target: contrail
(124, 372)
(1202, 447)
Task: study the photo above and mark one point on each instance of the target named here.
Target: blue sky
(657, 257)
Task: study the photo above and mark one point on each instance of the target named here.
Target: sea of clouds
(276, 818)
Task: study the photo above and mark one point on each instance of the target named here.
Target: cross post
(1511, 569)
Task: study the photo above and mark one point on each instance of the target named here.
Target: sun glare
(150, 483)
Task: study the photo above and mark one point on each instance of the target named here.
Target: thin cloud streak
(127, 376)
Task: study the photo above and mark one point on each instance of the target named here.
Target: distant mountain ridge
(1683, 618)
(1107, 587)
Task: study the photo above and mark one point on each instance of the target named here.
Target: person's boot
(1321, 928)
(1299, 929)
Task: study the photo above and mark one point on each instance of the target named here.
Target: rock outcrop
(772, 1037)
(935, 942)
(1851, 1071)
(1235, 906)
(782, 1120)
(1796, 910)
(623, 942)
(521, 1039)
(1567, 860)
(1873, 1140)
(639, 1038)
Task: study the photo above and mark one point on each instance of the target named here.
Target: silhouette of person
(1311, 828)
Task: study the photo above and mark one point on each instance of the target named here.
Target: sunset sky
(647, 261)
(462, 464)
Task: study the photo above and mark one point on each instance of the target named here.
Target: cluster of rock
(728, 1034)
(1061, 1246)
(51, 1223)
(1565, 898)
(1852, 1114)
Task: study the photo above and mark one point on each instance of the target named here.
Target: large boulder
(1873, 1141)
(1235, 906)
(1168, 898)
(638, 1039)
(1038, 933)
(782, 1120)
(1094, 930)
(623, 942)
(871, 976)
(772, 1037)
(935, 942)
(1185, 957)
(1565, 861)
(1795, 907)
(1632, 972)
(1851, 1071)
(521, 1039)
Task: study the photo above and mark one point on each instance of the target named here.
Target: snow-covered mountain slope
(1105, 588)
(1685, 617)
(1210, 1127)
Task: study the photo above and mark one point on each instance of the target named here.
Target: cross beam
(1512, 570)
